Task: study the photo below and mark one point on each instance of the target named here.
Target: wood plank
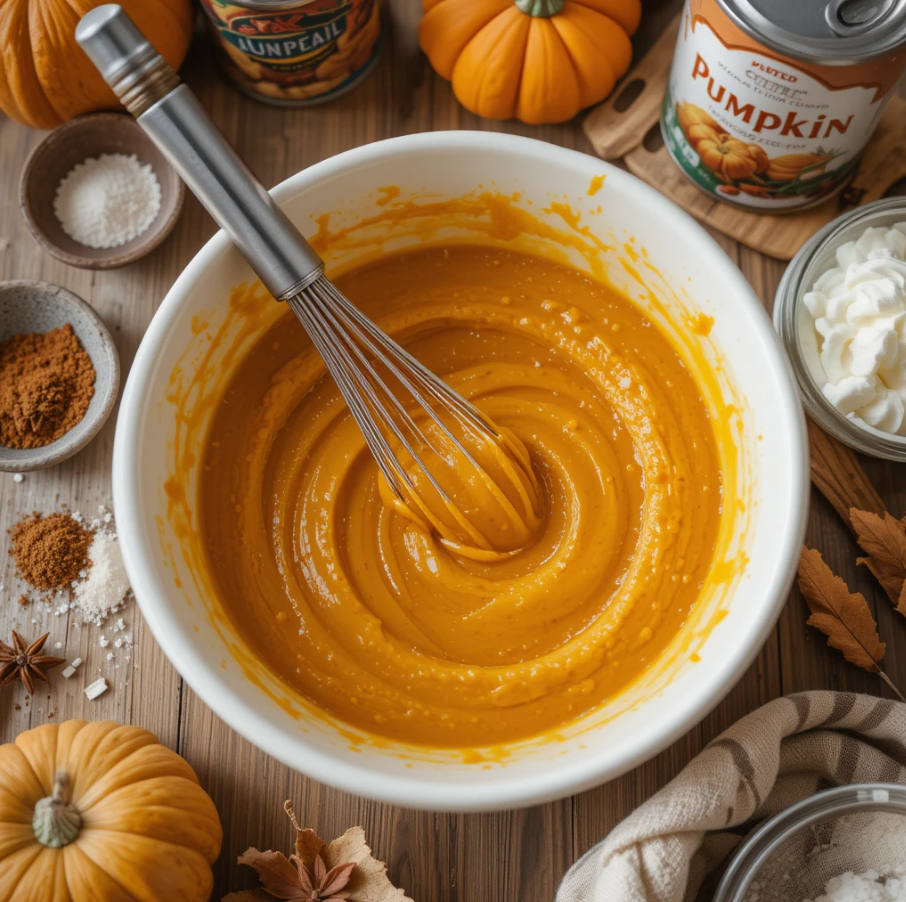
(508, 856)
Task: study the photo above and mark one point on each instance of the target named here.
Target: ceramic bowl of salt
(97, 194)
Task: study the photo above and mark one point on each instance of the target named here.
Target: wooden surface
(507, 857)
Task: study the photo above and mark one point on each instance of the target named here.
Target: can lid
(832, 32)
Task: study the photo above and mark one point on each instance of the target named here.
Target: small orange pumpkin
(98, 812)
(537, 60)
(732, 158)
(698, 133)
(46, 78)
(690, 115)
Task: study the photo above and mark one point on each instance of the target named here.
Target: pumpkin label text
(763, 131)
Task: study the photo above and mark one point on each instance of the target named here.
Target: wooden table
(516, 855)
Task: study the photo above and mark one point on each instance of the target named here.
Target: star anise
(320, 884)
(25, 661)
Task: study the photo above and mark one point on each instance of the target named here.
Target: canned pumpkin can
(770, 103)
(295, 52)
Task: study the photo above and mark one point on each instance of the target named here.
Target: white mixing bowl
(651, 246)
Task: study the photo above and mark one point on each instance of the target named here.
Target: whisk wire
(351, 345)
(408, 386)
(366, 363)
(414, 424)
(435, 386)
(341, 350)
(344, 375)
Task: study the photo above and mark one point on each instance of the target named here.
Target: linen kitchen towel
(781, 753)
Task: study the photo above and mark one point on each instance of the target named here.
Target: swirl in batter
(373, 618)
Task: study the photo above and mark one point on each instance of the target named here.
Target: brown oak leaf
(842, 616)
(883, 539)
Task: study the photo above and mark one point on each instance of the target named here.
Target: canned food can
(770, 103)
(295, 52)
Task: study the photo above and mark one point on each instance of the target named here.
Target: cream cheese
(856, 330)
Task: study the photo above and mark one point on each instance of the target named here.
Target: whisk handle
(180, 127)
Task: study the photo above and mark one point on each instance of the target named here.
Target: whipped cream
(855, 340)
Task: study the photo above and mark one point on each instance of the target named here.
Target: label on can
(754, 127)
(300, 53)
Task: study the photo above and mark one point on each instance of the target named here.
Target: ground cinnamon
(46, 384)
(50, 552)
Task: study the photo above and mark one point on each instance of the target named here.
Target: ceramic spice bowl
(67, 146)
(31, 306)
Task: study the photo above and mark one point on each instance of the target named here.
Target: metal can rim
(839, 51)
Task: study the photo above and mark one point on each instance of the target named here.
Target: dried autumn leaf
(276, 872)
(308, 844)
(883, 539)
(344, 871)
(842, 616)
(369, 881)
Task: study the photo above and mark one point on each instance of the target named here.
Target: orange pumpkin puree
(373, 618)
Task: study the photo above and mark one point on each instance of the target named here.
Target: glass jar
(854, 828)
(795, 326)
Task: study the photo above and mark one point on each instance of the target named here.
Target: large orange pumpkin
(98, 812)
(537, 60)
(46, 78)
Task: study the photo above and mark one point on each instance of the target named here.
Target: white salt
(108, 200)
(98, 687)
(869, 886)
(18, 477)
(76, 662)
(106, 586)
(68, 672)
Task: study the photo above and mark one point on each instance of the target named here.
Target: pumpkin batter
(373, 618)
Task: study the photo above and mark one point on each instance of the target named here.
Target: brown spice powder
(46, 384)
(51, 551)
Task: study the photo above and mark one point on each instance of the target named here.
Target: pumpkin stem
(57, 821)
(540, 9)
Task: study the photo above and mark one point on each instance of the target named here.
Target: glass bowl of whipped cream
(840, 311)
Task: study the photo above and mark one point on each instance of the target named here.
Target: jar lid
(832, 32)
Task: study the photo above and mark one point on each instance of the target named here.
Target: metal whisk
(414, 424)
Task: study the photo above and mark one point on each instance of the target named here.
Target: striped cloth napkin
(781, 753)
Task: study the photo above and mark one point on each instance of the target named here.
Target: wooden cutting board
(626, 126)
